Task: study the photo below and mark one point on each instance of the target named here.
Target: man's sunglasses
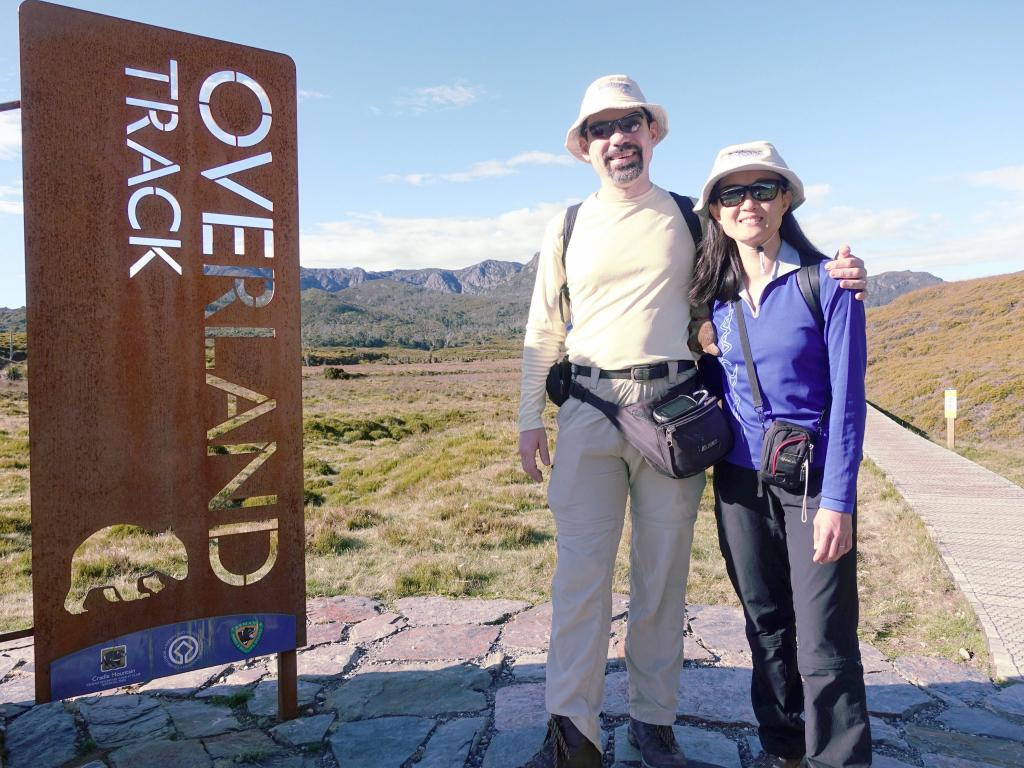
(607, 128)
(767, 189)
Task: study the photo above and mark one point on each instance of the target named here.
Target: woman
(790, 551)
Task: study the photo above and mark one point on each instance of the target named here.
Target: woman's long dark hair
(719, 270)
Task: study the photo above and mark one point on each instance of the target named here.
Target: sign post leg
(950, 441)
(287, 686)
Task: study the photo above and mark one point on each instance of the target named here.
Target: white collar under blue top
(786, 260)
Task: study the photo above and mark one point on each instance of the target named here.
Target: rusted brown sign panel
(161, 229)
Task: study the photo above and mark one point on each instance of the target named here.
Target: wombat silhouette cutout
(114, 565)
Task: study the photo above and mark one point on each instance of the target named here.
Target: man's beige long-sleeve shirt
(630, 265)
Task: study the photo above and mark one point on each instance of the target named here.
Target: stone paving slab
(513, 748)
(196, 719)
(952, 682)
(17, 693)
(717, 695)
(180, 754)
(890, 694)
(424, 611)
(700, 747)
(346, 608)
(303, 731)
(383, 743)
(377, 628)
(41, 738)
(184, 684)
(995, 751)
(450, 744)
(439, 643)
(519, 706)
(945, 761)
(529, 630)
(974, 516)
(426, 690)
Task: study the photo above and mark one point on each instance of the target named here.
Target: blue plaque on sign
(168, 650)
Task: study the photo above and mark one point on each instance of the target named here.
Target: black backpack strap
(748, 358)
(567, 225)
(809, 279)
(692, 221)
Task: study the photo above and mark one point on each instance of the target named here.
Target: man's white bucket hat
(752, 156)
(612, 92)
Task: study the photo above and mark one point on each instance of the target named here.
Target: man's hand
(833, 535)
(707, 337)
(703, 337)
(531, 441)
(849, 271)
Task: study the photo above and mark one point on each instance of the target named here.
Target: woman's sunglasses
(767, 189)
(607, 128)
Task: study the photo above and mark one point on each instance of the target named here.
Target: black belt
(637, 372)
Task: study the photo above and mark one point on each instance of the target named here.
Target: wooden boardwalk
(976, 519)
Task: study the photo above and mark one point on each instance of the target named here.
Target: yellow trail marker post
(950, 418)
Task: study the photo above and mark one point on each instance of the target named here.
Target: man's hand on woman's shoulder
(849, 271)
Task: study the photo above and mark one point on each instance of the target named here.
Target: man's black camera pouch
(559, 381)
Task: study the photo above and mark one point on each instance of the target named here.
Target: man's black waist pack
(679, 434)
(559, 381)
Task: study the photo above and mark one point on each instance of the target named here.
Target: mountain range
(434, 308)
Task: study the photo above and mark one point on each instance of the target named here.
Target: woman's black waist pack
(679, 434)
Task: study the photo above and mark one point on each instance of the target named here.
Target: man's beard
(623, 174)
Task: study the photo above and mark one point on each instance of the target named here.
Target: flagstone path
(976, 519)
(430, 682)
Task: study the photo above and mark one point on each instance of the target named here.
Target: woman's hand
(833, 535)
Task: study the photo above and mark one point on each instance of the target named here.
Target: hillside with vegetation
(968, 336)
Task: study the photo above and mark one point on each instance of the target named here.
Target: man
(629, 269)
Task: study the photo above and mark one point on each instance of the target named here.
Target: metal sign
(161, 231)
(950, 403)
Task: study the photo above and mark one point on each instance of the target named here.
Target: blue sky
(430, 134)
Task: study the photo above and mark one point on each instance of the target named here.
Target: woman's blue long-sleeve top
(802, 372)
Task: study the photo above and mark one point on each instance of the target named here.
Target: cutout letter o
(206, 94)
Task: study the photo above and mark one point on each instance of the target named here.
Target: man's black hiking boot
(565, 747)
(656, 744)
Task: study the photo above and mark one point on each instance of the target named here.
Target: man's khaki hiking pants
(594, 471)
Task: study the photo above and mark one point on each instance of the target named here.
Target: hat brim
(796, 187)
(572, 138)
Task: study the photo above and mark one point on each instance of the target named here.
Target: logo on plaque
(182, 650)
(246, 635)
(113, 658)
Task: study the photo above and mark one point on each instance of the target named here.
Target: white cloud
(10, 201)
(816, 193)
(453, 96)
(846, 224)
(482, 170)
(1011, 177)
(305, 95)
(10, 134)
(375, 241)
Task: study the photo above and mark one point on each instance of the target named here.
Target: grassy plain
(966, 336)
(413, 487)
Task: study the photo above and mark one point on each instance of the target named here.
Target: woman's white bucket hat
(752, 156)
(612, 92)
